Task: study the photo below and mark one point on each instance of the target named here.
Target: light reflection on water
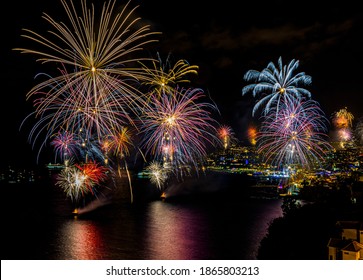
(176, 232)
(165, 231)
(218, 226)
(80, 240)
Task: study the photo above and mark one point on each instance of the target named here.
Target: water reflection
(218, 226)
(169, 231)
(175, 232)
(208, 231)
(80, 240)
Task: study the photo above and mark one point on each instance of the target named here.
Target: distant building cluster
(342, 167)
(235, 159)
(15, 176)
(238, 159)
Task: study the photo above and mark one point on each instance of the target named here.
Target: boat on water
(55, 166)
(144, 174)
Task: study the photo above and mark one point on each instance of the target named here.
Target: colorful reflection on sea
(175, 232)
(80, 240)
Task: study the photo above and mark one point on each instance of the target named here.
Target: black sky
(225, 39)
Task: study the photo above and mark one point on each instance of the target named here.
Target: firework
(343, 122)
(64, 144)
(94, 173)
(344, 134)
(72, 181)
(158, 174)
(98, 85)
(119, 143)
(177, 129)
(79, 180)
(276, 85)
(252, 134)
(164, 77)
(294, 135)
(226, 135)
(343, 118)
(67, 110)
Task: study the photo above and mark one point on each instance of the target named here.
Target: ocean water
(208, 219)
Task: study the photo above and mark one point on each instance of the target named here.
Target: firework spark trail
(79, 180)
(344, 134)
(276, 85)
(252, 134)
(94, 173)
(119, 143)
(343, 122)
(73, 111)
(158, 174)
(98, 86)
(226, 135)
(343, 118)
(296, 135)
(182, 124)
(164, 77)
(72, 181)
(64, 144)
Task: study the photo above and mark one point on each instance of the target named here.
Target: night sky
(224, 38)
